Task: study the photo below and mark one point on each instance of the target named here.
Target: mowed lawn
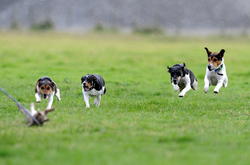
(141, 119)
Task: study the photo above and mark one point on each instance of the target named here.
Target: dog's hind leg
(97, 100)
(225, 82)
(195, 85)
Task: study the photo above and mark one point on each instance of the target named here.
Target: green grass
(141, 120)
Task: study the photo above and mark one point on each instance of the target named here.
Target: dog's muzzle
(86, 88)
(175, 81)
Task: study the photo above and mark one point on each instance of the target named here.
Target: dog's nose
(84, 85)
(175, 81)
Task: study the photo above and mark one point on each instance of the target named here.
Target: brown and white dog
(46, 88)
(216, 71)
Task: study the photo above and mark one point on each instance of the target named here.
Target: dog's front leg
(38, 97)
(206, 86)
(187, 87)
(218, 86)
(176, 87)
(225, 82)
(58, 95)
(86, 99)
(50, 101)
(97, 101)
(185, 90)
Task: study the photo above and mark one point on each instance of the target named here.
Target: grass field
(141, 119)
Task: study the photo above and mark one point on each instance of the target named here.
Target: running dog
(182, 79)
(216, 71)
(93, 85)
(46, 88)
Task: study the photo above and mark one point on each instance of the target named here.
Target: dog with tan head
(216, 71)
(46, 88)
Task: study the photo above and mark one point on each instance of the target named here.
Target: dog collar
(218, 70)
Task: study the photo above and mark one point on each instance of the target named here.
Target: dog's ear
(183, 69)
(83, 79)
(53, 85)
(92, 80)
(39, 79)
(168, 69)
(208, 52)
(221, 53)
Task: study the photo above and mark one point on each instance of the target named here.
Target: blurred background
(172, 17)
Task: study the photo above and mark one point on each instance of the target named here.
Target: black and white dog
(46, 88)
(93, 85)
(216, 71)
(182, 79)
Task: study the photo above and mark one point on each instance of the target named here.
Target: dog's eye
(48, 88)
(214, 60)
(42, 87)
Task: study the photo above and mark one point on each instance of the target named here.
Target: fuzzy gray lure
(32, 120)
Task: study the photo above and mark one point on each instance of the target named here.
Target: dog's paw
(181, 95)
(216, 92)
(97, 104)
(38, 101)
(205, 90)
(176, 88)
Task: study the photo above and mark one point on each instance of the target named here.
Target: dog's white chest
(213, 77)
(94, 92)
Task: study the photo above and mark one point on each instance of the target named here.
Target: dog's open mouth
(86, 88)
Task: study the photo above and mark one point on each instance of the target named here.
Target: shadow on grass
(182, 139)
